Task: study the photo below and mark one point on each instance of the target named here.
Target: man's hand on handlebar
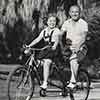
(53, 47)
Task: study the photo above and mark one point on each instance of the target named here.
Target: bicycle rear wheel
(20, 84)
(82, 89)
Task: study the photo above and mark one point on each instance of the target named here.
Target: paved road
(94, 93)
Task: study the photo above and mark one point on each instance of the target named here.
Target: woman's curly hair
(45, 19)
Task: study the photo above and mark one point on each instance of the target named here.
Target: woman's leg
(46, 66)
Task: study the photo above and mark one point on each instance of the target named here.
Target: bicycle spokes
(19, 85)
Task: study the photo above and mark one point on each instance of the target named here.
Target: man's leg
(46, 66)
(74, 68)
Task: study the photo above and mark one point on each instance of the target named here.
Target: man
(76, 29)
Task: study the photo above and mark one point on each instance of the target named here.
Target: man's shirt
(76, 32)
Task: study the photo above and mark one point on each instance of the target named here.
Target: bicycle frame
(33, 64)
(33, 68)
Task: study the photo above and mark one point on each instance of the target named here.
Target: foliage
(23, 20)
(92, 16)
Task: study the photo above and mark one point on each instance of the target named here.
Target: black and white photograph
(49, 49)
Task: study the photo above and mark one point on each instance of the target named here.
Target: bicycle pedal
(43, 92)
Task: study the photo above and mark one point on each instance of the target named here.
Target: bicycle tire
(24, 84)
(81, 92)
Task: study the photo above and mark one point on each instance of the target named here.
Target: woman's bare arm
(36, 40)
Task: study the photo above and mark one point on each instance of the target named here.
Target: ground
(55, 95)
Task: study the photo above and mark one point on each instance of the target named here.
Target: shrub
(92, 16)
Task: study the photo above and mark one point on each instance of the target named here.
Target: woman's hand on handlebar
(27, 48)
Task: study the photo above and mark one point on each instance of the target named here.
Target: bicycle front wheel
(20, 84)
(82, 89)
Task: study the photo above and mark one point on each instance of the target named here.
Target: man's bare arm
(61, 39)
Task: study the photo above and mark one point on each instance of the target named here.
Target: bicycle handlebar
(28, 49)
(38, 49)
